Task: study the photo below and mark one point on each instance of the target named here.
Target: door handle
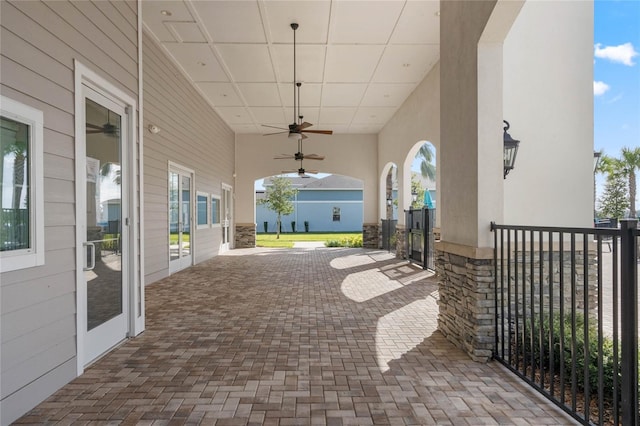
(92, 250)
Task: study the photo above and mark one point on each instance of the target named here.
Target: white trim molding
(12, 260)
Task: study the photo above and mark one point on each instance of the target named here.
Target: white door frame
(134, 296)
(182, 170)
(227, 203)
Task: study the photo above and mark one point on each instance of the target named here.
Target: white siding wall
(39, 42)
(192, 135)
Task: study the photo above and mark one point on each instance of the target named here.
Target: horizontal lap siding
(192, 135)
(39, 42)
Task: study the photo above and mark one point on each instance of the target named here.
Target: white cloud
(599, 88)
(623, 53)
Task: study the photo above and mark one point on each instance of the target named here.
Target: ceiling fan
(301, 171)
(299, 156)
(298, 127)
(107, 128)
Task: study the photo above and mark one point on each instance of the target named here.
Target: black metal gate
(388, 234)
(420, 239)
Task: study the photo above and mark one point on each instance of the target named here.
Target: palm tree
(427, 168)
(630, 162)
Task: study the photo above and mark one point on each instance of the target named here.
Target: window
(336, 214)
(21, 197)
(202, 204)
(215, 210)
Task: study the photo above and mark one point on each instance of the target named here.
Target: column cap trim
(466, 251)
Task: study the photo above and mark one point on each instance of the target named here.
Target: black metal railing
(567, 316)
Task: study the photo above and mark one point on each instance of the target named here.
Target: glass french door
(105, 249)
(226, 216)
(180, 218)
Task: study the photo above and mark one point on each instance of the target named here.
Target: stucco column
(471, 174)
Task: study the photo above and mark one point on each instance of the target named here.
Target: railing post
(629, 320)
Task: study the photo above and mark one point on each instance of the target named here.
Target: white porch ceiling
(358, 60)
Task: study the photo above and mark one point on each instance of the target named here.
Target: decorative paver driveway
(294, 337)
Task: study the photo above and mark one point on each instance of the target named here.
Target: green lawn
(287, 239)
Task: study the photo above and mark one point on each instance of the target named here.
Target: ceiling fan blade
(93, 126)
(275, 133)
(321, 132)
(94, 131)
(313, 172)
(285, 157)
(289, 171)
(314, 157)
(304, 125)
(275, 127)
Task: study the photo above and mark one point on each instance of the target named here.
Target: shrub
(569, 333)
(345, 242)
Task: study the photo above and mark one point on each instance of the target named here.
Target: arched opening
(321, 203)
(420, 185)
(388, 196)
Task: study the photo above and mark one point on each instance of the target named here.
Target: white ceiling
(358, 60)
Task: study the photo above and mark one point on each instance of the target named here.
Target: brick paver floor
(311, 336)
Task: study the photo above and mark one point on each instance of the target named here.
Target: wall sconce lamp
(510, 150)
(597, 155)
(414, 196)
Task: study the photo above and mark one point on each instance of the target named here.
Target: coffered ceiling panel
(198, 61)
(391, 95)
(248, 62)
(220, 94)
(260, 94)
(235, 115)
(343, 94)
(231, 21)
(187, 32)
(352, 63)
(163, 13)
(357, 22)
(406, 63)
(358, 60)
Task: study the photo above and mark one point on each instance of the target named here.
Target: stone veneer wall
(245, 235)
(370, 235)
(467, 305)
(401, 242)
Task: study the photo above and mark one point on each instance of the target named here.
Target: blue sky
(616, 73)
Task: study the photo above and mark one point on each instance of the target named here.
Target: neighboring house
(329, 204)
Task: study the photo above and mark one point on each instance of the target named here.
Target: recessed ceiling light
(165, 12)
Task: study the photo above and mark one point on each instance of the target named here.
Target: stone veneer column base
(245, 235)
(401, 242)
(467, 301)
(370, 237)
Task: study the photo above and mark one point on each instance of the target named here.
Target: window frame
(207, 213)
(219, 200)
(33, 256)
(338, 215)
